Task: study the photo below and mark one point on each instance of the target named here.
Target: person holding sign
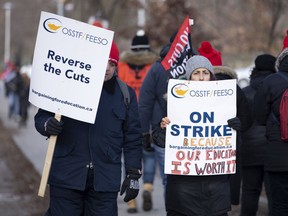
(198, 195)
(85, 174)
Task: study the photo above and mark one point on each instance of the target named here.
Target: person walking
(135, 63)
(266, 110)
(198, 195)
(152, 107)
(24, 98)
(13, 88)
(85, 175)
(255, 142)
(133, 66)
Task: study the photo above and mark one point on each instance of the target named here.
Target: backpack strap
(283, 74)
(125, 92)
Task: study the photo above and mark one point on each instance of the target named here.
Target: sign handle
(48, 161)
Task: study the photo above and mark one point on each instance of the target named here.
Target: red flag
(179, 52)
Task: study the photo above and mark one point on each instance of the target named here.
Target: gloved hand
(159, 137)
(131, 184)
(53, 126)
(147, 143)
(234, 123)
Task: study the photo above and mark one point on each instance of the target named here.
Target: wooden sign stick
(48, 162)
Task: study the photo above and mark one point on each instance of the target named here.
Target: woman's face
(200, 74)
(111, 66)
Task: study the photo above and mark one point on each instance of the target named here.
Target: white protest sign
(69, 65)
(198, 139)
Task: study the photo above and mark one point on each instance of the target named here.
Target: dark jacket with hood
(116, 129)
(152, 102)
(254, 140)
(266, 111)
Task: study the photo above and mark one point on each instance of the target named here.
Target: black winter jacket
(266, 103)
(254, 141)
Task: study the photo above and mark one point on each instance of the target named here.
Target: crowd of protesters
(261, 153)
(256, 166)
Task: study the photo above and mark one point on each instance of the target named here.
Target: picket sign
(48, 162)
(54, 85)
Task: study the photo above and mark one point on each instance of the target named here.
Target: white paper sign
(198, 139)
(69, 65)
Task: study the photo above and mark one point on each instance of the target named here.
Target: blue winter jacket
(152, 102)
(115, 129)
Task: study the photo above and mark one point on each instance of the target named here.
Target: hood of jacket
(256, 81)
(138, 58)
(225, 71)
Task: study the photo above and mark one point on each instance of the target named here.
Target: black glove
(53, 126)
(131, 184)
(159, 136)
(147, 143)
(234, 123)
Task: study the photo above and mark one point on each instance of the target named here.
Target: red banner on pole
(179, 52)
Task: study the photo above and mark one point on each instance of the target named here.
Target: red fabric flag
(179, 52)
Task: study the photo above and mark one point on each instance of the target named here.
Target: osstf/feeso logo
(179, 90)
(52, 25)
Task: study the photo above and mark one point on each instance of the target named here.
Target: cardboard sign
(198, 139)
(69, 65)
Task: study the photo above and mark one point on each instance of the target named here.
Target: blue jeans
(160, 158)
(14, 104)
(150, 159)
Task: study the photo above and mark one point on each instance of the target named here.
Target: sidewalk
(34, 147)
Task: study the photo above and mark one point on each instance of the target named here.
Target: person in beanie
(224, 73)
(135, 63)
(266, 111)
(207, 50)
(198, 195)
(85, 175)
(254, 143)
(132, 69)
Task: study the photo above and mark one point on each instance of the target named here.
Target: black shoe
(147, 201)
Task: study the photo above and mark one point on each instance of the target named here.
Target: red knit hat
(285, 41)
(209, 52)
(114, 53)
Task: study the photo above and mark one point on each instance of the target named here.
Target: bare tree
(165, 17)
